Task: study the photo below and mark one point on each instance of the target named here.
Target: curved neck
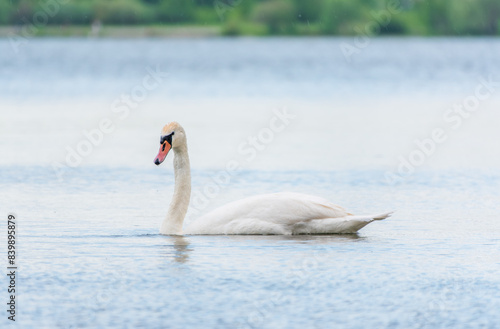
(172, 224)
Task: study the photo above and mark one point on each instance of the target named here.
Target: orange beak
(164, 148)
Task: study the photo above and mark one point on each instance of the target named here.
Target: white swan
(280, 213)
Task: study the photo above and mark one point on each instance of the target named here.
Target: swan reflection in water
(177, 248)
(303, 238)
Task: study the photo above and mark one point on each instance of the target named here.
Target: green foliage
(151, 2)
(21, 9)
(437, 15)
(278, 15)
(341, 16)
(234, 28)
(308, 11)
(123, 12)
(175, 11)
(257, 17)
(206, 15)
(412, 23)
(77, 13)
(5, 9)
(476, 17)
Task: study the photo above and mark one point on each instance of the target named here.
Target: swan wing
(266, 214)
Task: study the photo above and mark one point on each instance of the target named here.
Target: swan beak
(164, 148)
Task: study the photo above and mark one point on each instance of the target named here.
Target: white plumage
(279, 213)
(282, 214)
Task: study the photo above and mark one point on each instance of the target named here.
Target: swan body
(277, 214)
(280, 214)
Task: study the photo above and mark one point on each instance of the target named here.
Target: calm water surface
(89, 252)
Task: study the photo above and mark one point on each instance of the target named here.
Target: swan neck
(172, 225)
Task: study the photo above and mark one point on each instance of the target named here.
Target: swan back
(266, 214)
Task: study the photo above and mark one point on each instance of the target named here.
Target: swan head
(172, 137)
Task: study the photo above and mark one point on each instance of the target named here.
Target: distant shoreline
(110, 31)
(171, 31)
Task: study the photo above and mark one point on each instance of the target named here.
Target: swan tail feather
(383, 216)
(370, 218)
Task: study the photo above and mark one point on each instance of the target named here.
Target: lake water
(89, 252)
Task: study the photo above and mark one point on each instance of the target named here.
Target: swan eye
(167, 138)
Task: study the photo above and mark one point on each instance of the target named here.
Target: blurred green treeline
(263, 17)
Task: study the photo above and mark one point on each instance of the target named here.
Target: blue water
(90, 255)
(248, 67)
(89, 251)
